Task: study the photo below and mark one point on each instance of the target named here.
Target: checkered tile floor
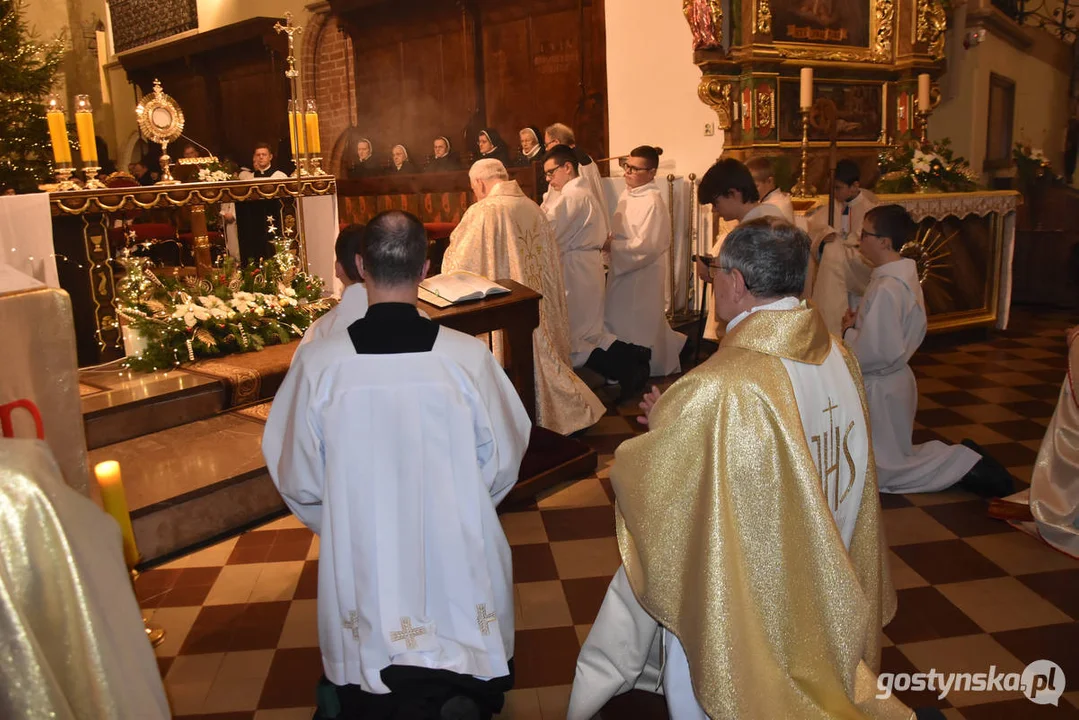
(973, 592)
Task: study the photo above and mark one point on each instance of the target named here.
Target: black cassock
(251, 226)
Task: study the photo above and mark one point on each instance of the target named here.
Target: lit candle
(923, 93)
(84, 123)
(54, 116)
(314, 145)
(115, 502)
(807, 88)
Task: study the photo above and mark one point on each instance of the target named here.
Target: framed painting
(834, 30)
(999, 127)
(860, 108)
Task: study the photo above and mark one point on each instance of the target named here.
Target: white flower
(191, 313)
(243, 301)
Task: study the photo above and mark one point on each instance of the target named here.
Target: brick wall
(328, 78)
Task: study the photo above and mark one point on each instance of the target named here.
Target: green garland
(233, 310)
(913, 167)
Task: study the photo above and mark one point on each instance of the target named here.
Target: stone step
(192, 482)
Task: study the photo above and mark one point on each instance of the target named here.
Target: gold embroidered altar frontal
(964, 249)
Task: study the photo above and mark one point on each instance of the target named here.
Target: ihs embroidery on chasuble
(831, 445)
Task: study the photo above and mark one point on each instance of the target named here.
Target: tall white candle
(923, 92)
(807, 88)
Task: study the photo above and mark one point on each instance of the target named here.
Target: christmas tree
(27, 72)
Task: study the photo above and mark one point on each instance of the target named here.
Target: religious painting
(998, 137)
(844, 23)
(859, 108)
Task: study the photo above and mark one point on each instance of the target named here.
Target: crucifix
(353, 624)
(407, 633)
(484, 619)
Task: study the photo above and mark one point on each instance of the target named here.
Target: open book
(445, 290)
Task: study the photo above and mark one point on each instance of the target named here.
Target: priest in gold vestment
(748, 519)
(506, 235)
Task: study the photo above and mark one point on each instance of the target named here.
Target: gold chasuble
(728, 541)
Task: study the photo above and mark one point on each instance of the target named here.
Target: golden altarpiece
(866, 56)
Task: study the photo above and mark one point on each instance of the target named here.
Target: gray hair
(771, 254)
(562, 133)
(488, 169)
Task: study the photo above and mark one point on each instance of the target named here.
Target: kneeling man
(394, 442)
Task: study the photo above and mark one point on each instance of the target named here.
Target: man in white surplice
(765, 582)
(394, 442)
(559, 134)
(842, 271)
(729, 188)
(353, 303)
(764, 177)
(886, 331)
(640, 244)
(575, 217)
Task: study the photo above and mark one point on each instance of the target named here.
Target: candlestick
(115, 502)
(84, 124)
(923, 122)
(314, 143)
(61, 144)
(803, 188)
(806, 87)
(923, 93)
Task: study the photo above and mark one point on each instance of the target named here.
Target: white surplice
(843, 272)
(639, 267)
(620, 651)
(781, 200)
(590, 174)
(397, 462)
(506, 235)
(1054, 484)
(352, 307)
(712, 327)
(579, 228)
(890, 326)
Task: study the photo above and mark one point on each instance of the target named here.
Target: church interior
(144, 193)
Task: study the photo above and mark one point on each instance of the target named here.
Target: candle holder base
(803, 188)
(923, 125)
(317, 162)
(155, 634)
(166, 174)
(92, 183)
(64, 181)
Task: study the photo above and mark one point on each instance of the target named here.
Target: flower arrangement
(913, 166)
(218, 171)
(1032, 167)
(232, 310)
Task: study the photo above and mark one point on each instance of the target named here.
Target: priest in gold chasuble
(748, 519)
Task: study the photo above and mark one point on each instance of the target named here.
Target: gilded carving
(764, 17)
(717, 95)
(930, 27)
(705, 18)
(884, 16)
(765, 108)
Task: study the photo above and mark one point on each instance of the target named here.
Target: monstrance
(161, 121)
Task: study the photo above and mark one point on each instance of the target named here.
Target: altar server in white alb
(764, 177)
(353, 303)
(575, 217)
(885, 333)
(640, 244)
(842, 271)
(394, 442)
(559, 134)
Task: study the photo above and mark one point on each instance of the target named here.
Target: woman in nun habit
(531, 147)
(492, 146)
(444, 158)
(363, 162)
(400, 163)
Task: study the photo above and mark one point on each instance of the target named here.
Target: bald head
(394, 249)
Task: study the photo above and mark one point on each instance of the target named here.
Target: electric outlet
(709, 129)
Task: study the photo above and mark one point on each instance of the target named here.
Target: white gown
(619, 653)
(781, 200)
(397, 462)
(590, 174)
(579, 229)
(636, 280)
(352, 307)
(889, 328)
(843, 272)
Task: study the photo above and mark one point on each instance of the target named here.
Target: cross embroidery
(484, 620)
(407, 633)
(353, 624)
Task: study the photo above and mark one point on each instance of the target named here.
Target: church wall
(652, 85)
(1041, 91)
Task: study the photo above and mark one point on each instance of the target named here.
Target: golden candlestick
(155, 634)
(923, 124)
(803, 188)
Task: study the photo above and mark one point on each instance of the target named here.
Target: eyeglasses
(866, 232)
(631, 169)
(550, 173)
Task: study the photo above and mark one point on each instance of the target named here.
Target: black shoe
(460, 707)
(988, 478)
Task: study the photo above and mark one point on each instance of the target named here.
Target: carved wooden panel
(138, 22)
